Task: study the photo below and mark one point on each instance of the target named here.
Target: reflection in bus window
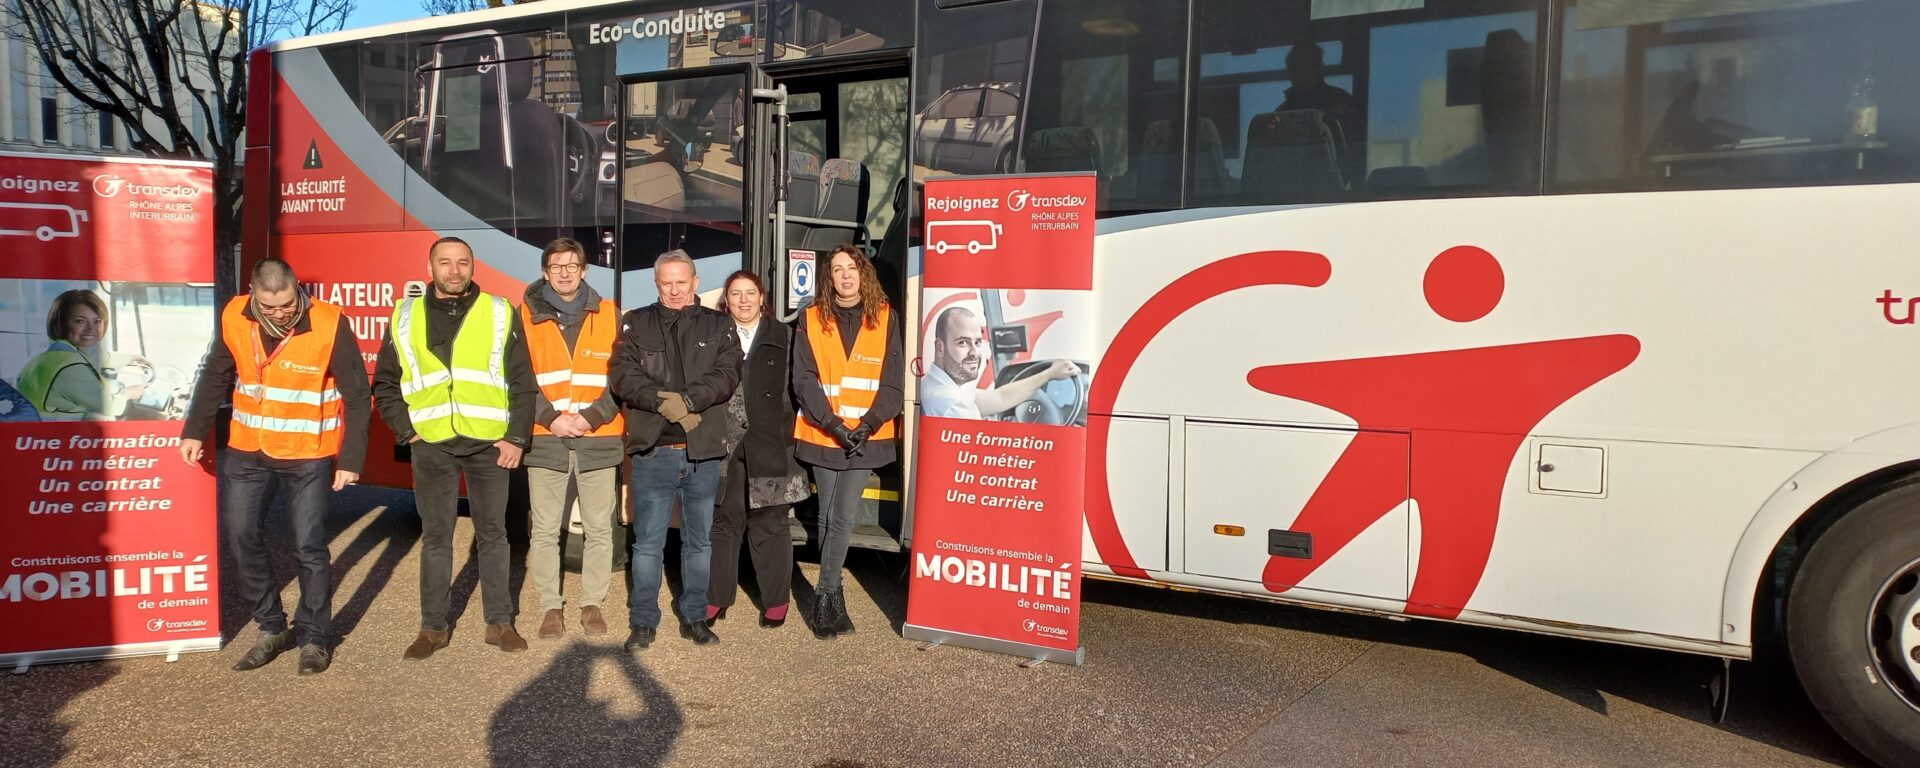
(1694, 95)
(980, 48)
(1107, 77)
(1302, 101)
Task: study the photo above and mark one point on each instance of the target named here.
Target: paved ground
(1170, 679)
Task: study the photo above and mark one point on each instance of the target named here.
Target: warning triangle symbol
(313, 155)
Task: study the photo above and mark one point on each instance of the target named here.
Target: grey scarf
(568, 312)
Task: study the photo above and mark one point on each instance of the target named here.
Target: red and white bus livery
(1569, 316)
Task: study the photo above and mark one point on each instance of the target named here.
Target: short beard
(955, 370)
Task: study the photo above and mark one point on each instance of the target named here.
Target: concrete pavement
(1171, 679)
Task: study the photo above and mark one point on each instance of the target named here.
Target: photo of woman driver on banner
(84, 374)
(1035, 392)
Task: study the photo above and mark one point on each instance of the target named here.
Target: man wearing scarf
(300, 409)
(578, 432)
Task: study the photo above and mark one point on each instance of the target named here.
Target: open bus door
(836, 173)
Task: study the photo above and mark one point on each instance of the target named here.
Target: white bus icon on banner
(45, 221)
(973, 235)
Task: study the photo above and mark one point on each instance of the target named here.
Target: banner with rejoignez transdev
(1004, 367)
(106, 310)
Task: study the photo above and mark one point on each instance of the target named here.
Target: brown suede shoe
(591, 622)
(428, 642)
(502, 635)
(554, 625)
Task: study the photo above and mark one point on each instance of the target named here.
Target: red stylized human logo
(1467, 410)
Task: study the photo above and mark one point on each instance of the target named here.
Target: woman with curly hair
(847, 374)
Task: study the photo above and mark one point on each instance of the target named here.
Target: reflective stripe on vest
(285, 404)
(470, 398)
(850, 381)
(573, 379)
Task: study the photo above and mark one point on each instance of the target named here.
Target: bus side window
(1298, 101)
(1696, 96)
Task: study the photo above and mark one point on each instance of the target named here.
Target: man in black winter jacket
(675, 368)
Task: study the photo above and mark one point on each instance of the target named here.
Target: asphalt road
(1170, 679)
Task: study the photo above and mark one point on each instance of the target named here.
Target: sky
(384, 11)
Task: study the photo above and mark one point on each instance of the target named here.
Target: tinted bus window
(1106, 92)
(804, 29)
(1302, 101)
(978, 48)
(1696, 95)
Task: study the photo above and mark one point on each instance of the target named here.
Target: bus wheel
(1853, 626)
(973, 246)
(45, 234)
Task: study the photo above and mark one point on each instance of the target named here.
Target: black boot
(822, 615)
(842, 623)
(265, 649)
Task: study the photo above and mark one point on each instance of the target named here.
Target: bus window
(1698, 95)
(979, 48)
(1108, 77)
(814, 28)
(1303, 101)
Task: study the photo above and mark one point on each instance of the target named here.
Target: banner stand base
(1034, 653)
(172, 649)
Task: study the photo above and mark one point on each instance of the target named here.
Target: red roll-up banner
(1006, 350)
(106, 310)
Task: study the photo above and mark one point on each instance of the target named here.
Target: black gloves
(857, 439)
(841, 434)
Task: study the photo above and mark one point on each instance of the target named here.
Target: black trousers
(436, 490)
(247, 480)
(767, 535)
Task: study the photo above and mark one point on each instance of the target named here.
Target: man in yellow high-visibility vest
(300, 411)
(454, 382)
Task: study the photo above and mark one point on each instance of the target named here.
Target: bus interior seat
(537, 141)
(1290, 158)
(803, 194)
(893, 247)
(1211, 181)
(1157, 171)
(1397, 180)
(844, 186)
(1065, 148)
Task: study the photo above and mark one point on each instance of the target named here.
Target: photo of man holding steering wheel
(1038, 391)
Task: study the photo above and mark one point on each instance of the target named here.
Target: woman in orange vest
(847, 374)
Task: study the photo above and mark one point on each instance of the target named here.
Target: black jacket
(548, 451)
(692, 351)
(768, 401)
(887, 403)
(444, 317)
(349, 374)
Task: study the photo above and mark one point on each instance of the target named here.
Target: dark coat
(692, 351)
(762, 417)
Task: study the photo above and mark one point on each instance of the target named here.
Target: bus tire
(1859, 578)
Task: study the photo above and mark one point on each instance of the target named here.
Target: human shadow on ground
(555, 719)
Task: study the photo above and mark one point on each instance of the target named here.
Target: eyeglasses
(565, 269)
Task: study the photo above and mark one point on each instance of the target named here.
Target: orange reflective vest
(285, 405)
(572, 379)
(851, 381)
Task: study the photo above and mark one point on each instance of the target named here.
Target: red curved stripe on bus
(1246, 270)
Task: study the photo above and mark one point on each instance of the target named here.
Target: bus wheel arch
(1827, 600)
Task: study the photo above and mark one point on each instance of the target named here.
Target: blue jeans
(659, 477)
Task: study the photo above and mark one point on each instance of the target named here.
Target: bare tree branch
(155, 64)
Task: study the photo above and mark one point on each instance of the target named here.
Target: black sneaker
(639, 638)
(822, 618)
(699, 633)
(265, 650)
(314, 659)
